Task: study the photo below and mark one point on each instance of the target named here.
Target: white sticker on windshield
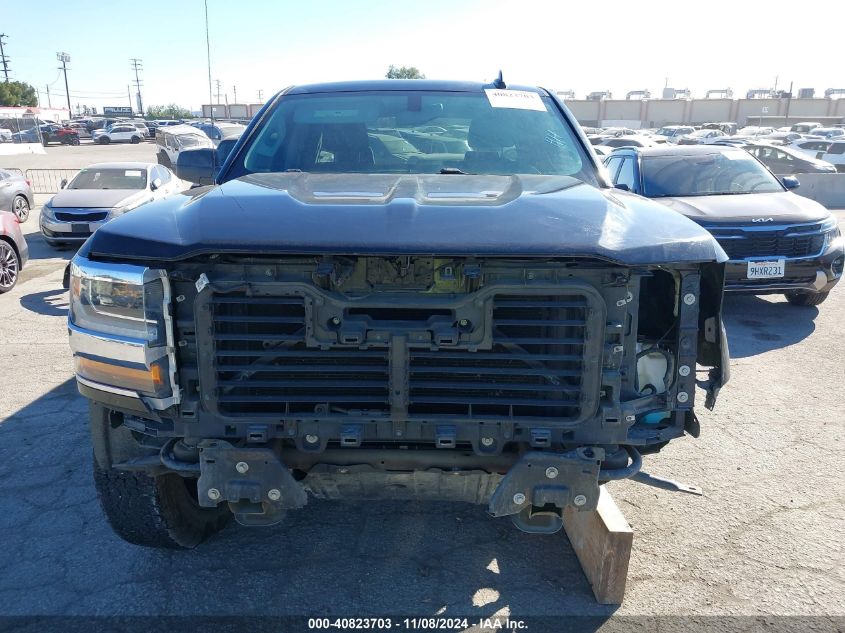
(132, 173)
(517, 99)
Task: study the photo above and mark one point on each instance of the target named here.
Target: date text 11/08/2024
(417, 624)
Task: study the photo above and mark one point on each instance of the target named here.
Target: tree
(17, 93)
(171, 111)
(405, 72)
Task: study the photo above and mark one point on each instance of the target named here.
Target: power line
(3, 59)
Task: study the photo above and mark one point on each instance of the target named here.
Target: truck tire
(142, 509)
(798, 298)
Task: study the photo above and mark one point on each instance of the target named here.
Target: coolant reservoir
(651, 370)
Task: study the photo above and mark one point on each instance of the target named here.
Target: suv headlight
(121, 333)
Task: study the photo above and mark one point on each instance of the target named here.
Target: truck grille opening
(264, 366)
(535, 369)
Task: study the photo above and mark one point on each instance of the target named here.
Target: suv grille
(537, 367)
(805, 240)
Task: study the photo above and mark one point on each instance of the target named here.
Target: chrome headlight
(118, 211)
(120, 329)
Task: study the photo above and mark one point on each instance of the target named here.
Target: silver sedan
(15, 194)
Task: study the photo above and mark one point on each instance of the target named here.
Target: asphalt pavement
(765, 539)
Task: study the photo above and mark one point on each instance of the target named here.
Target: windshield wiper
(453, 170)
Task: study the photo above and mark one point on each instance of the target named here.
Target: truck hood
(750, 207)
(94, 198)
(377, 214)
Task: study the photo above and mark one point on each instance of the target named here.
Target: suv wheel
(20, 207)
(10, 265)
(798, 298)
(154, 511)
(104, 140)
(135, 140)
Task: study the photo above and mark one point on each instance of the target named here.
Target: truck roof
(426, 85)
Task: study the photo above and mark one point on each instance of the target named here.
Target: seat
(349, 145)
(489, 136)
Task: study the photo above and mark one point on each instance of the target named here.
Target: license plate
(766, 270)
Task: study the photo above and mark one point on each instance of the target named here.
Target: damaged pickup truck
(395, 289)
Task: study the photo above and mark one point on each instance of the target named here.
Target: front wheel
(798, 298)
(20, 207)
(142, 509)
(10, 266)
(104, 140)
(135, 140)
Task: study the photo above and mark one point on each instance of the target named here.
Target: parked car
(5, 135)
(101, 192)
(814, 148)
(171, 140)
(14, 252)
(783, 161)
(15, 194)
(702, 136)
(781, 138)
(59, 134)
(472, 323)
(218, 131)
(80, 128)
(777, 241)
(804, 127)
(628, 141)
(152, 126)
(755, 130)
(835, 154)
(167, 122)
(830, 133)
(118, 133)
(671, 133)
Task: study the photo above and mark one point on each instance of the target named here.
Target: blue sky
(267, 45)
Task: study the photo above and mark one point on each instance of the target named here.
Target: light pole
(65, 58)
(136, 66)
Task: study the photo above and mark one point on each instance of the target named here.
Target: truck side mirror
(155, 184)
(790, 182)
(196, 165)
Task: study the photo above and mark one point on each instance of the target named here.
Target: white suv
(835, 154)
(119, 132)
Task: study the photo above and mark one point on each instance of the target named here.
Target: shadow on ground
(60, 557)
(47, 302)
(756, 325)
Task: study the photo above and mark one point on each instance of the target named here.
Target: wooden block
(602, 541)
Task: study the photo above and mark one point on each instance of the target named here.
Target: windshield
(733, 171)
(415, 132)
(110, 179)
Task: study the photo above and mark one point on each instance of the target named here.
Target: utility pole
(260, 95)
(49, 105)
(217, 81)
(208, 53)
(136, 66)
(235, 91)
(65, 58)
(3, 59)
(129, 96)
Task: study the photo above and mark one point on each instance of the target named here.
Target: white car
(119, 133)
(828, 132)
(100, 193)
(701, 137)
(814, 148)
(671, 133)
(835, 154)
(173, 139)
